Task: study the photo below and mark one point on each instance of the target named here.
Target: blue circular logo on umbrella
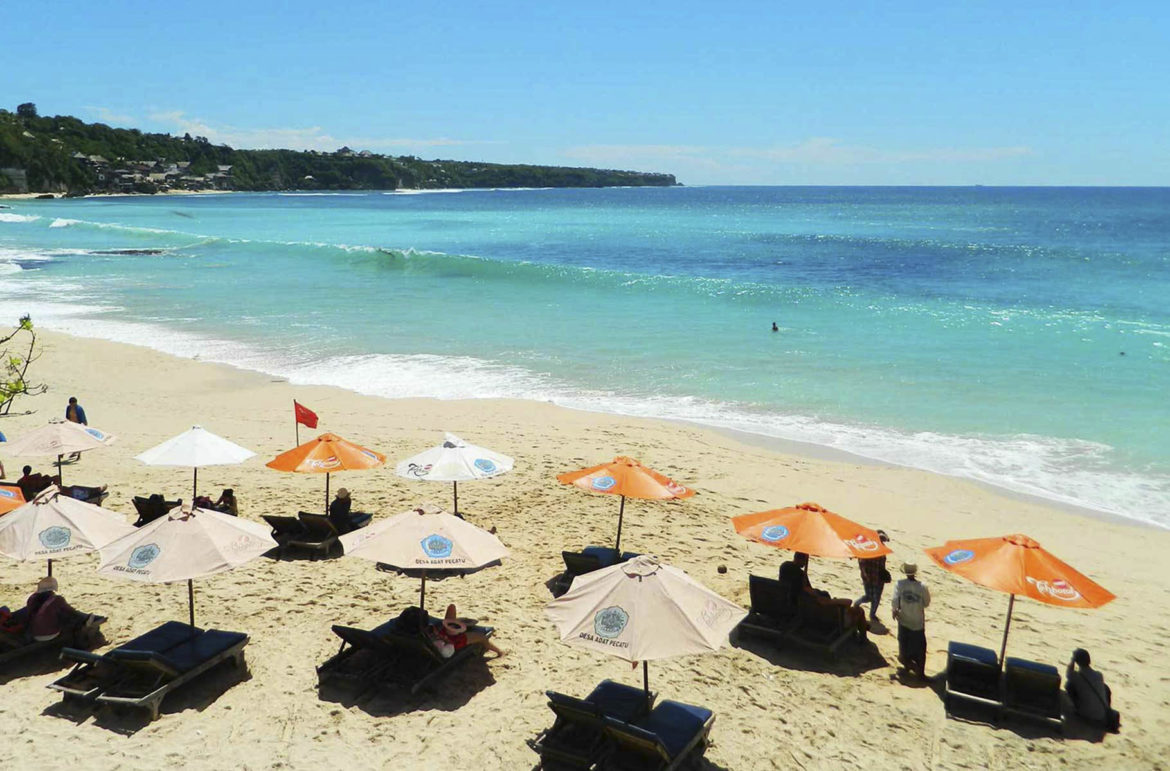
(774, 533)
(7, 493)
(436, 546)
(959, 556)
(143, 556)
(604, 483)
(610, 622)
(55, 537)
(485, 465)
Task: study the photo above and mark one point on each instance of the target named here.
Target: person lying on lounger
(454, 634)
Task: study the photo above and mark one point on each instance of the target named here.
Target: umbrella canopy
(812, 529)
(628, 478)
(1017, 564)
(54, 526)
(642, 610)
(425, 540)
(327, 454)
(60, 438)
(11, 497)
(454, 461)
(193, 448)
(186, 544)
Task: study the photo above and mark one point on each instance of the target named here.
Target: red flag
(305, 416)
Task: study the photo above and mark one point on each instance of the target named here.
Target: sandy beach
(775, 708)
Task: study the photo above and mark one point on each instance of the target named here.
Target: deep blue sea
(1016, 336)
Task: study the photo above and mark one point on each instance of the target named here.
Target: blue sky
(1058, 93)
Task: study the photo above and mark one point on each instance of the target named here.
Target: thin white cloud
(106, 115)
(309, 138)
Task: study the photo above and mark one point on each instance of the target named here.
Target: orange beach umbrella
(1016, 564)
(628, 478)
(327, 454)
(11, 498)
(812, 529)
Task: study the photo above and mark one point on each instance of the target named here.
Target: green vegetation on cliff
(47, 152)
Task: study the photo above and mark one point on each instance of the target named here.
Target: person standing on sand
(75, 413)
(874, 578)
(911, 599)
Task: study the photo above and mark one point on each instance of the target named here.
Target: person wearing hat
(455, 633)
(339, 511)
(911, 599)
(874, 578)
(47, 615)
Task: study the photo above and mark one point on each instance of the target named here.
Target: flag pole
(296, 424)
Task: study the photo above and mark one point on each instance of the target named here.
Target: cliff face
(63, 153)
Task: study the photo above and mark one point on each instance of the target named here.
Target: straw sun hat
(342, 493)
(909, 568)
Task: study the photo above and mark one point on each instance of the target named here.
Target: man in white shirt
(911, 599)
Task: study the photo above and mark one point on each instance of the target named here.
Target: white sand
(775, 709)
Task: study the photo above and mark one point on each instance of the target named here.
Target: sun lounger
(92, 495)
(318, 535)
(586, 561)
(284, 528)
(821, 625)
(1032, 690)
(418, 663)
(973, 676)
(92, 672)
(772, 613)
(150, 509)
(393, 654)
(15, 647)
(672, 734)
(577, 737)
(361, 659)
(147, 676)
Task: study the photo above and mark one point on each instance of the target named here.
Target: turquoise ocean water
(978, 332)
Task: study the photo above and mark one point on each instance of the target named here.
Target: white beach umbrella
(60, 438)
(425, 540)
(193, 448)
(186, 544)
(642, 610)
(54, 526)
(454, 461)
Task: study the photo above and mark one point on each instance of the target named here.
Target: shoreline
(770, 702)
(781, 445)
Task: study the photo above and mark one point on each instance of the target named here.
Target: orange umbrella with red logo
(1016, 564)
(628, 478)
(11, 498)
(812, 529)
(327, 454)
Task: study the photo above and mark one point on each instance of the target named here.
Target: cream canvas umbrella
(454, 461)
(643, 610)
(186, 544)
(426, 541)
(193, 448)
(53, 526)
(60, 438)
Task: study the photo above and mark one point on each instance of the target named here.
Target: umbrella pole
(326, 493)
(50, 568)
(422, 593)
(1006, 628)
(194, 487)
(646, 683)
(191, 600)
(617, 546)
(455, 492)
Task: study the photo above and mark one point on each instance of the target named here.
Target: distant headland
(65, 155)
